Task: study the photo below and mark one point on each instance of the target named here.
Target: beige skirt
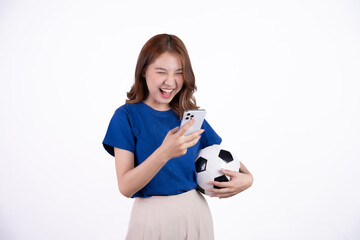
(177, 217)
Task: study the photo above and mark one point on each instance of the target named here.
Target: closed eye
(179, 71)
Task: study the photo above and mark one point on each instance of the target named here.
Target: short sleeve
(209, 137)
(119, 133)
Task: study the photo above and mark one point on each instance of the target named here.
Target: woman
(154, 160)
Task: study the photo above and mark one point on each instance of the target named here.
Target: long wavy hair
(154, 47)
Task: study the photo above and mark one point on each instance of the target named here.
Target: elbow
(125, 192)
(125, 188)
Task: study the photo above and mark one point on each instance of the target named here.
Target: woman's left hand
(239, 181)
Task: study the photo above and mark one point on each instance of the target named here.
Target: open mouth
(166, 92)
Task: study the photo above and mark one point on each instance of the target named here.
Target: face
(164, 79)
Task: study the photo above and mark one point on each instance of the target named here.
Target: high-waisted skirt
(177, 217)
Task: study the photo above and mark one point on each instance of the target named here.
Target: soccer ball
(209, 163)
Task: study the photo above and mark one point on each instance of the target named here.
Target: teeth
(166, 90)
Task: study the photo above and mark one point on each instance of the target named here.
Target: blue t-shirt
(141, 129)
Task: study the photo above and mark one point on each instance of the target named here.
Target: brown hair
(154, 47)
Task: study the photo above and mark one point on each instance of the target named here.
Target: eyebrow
(163, 69)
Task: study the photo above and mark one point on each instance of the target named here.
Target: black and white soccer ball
(209, 163)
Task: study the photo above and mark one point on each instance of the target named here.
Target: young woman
(154, 160)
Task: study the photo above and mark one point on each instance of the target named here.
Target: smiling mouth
(166, 92)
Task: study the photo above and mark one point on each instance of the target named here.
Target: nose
(170, 80)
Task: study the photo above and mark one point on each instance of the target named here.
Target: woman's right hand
(175, 144)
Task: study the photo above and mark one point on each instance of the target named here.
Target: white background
(279, 79)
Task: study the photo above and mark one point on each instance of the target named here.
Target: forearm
(131, 179)
(136, 178)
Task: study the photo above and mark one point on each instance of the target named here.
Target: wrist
(161, 155)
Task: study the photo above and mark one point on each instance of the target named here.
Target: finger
(174, 130)
(193, 142)
(218, 190)
(188, 125)
(226, 195)
(221, 184)
(194, 135)
(221, 193)
(229, 172)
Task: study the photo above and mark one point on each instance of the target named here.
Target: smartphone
(188, 115)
